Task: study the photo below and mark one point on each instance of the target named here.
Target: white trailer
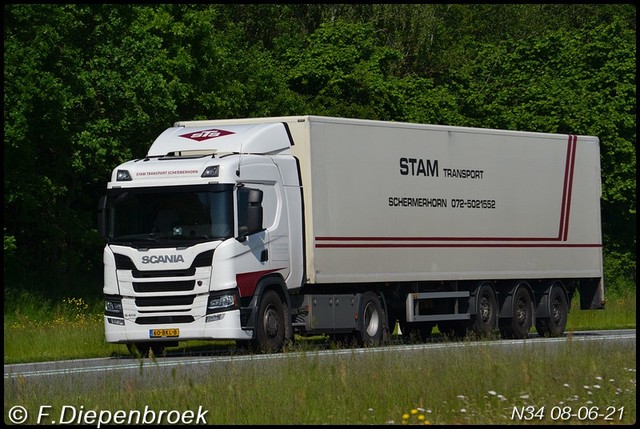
(319, 225)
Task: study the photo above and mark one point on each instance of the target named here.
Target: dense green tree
(89, 86)
(574, 82)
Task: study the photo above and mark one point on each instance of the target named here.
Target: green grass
(36, 329)
(483, 384)
(619, 313)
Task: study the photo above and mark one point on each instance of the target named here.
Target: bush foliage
(89, 86)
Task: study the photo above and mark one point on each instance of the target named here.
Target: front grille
(153, 320)
(163, 273)
(159, 301)
(179, 286)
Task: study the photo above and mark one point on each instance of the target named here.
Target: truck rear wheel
(270, 323)
(486, 319)
(371, 319)
(553, 326)
(519, 323)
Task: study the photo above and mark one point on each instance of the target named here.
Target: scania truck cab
(192, 227)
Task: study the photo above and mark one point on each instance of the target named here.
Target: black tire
(145, 349)
(553, 326)
(485, 320)
(372, 320)
(519, 324)
(270, 324)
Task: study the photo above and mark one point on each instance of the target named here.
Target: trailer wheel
(486, 319)
(270, 323)
(553, 326)
(144, 349)
(519, 323)
(371, 319)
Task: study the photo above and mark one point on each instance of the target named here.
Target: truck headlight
(221, 302)
(211, 171)
(123, 176)
(113, 306)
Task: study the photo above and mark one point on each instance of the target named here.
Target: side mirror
(254, 211)
(249, 212)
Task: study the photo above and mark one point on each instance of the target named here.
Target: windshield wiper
(135, 237)
(190, 237)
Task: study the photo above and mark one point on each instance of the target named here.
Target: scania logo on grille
(206, 134)
(161, 259)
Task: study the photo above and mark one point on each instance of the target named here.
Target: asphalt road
(191, 362)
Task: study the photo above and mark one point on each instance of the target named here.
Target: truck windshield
(171, 214)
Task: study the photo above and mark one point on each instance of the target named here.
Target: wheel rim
(485, 309)
(556, 314)
(521, 312)
(558, 308)
(371, 320)
(271, 323)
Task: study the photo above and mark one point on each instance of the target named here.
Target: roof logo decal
(206, 134)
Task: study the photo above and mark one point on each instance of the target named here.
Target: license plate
(164, 333)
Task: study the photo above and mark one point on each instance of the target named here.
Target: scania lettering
(161, 259)
(264, 230)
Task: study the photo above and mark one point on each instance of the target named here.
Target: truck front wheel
(270, 323)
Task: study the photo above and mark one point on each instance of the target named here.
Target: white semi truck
(258, 229)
